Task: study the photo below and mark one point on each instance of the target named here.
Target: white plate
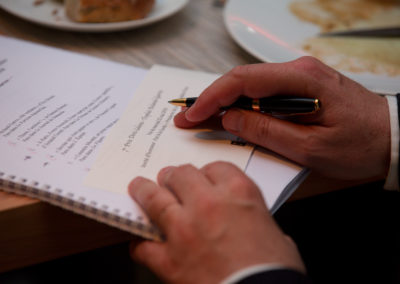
(268, 30)
(43, 15)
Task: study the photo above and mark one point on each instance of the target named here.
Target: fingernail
(166, 170)
(233, 121)
(188, 114)
(162, 174)
(134, 183)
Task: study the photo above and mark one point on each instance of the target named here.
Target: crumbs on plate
(38, 2)
(375, 55)
(103, 11)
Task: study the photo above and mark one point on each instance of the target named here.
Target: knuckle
(174, 173)
(161, 208)
(239, 182)
(184, 168)
(186, 233)
(337, 78)
(215, 165)
(308, 64)
(207, 205)
(316, 69)
(309, 149)
(243, 187)
(152, 200)
(166, 216)
(240, 71)
(240, 74)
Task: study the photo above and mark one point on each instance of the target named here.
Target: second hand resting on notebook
(219, 226)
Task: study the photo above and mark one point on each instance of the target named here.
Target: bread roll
(100, 11)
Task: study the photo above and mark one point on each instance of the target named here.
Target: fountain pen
(277, 105)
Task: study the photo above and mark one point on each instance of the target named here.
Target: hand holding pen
(348, 138)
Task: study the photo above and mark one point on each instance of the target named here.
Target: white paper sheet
(145, 139)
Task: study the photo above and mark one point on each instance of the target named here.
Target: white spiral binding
(79, 205)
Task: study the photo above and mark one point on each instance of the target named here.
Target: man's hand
(348, 139)
(215, 222)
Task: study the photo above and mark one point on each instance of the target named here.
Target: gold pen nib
(317, 105)
(178, 102)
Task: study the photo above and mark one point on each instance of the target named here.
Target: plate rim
(239, 41)
(241, 44)
(389, 86)
(98, 27)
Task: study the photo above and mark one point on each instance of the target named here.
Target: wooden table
(33, 231)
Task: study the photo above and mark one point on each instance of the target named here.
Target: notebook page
(56, 109)
(276, 177)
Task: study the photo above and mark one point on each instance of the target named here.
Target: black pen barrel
(190, 101)
(288, 105)
(273, 105)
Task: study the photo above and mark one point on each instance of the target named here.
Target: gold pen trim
(178, 102)
(255, 105)
(317, 105)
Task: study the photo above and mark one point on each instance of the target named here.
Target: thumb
(283, 137)
(151, 254)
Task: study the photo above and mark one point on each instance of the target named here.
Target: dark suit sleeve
(281, 276)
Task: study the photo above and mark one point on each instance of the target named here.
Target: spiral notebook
(60, 110)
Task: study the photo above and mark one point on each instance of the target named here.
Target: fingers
(181, 121)
(160, 205)
(185, 181)
(283, 137)
(256, 81)
(213, 122)
(232, 181)
(150, 254)
(221, 172)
